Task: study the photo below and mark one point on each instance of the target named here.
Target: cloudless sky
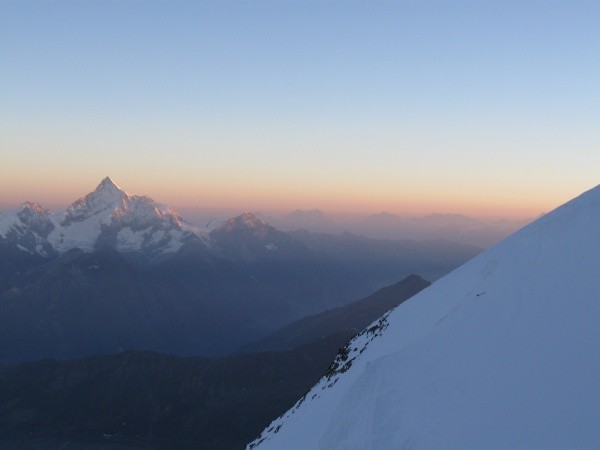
(479, 107)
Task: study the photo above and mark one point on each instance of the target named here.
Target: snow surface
(130, 240)
(501, 353)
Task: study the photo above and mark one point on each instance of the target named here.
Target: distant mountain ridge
(350, 319)
(248, 237)
(110, 217)
(453, 227)
(121, 271)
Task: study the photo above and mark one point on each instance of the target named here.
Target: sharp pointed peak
(106, 193)
(108, 183)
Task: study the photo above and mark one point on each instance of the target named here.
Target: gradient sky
(481, 107)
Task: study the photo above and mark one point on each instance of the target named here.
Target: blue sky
(470, 107)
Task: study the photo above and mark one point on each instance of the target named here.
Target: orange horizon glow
(197, 195)
(493, 114)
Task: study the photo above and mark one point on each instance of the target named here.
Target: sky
(488, 108)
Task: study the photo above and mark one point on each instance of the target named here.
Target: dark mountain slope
(14, 263)
(92, 303)
(207, 297)
(146, 399)
(150, 400)
(349, 319)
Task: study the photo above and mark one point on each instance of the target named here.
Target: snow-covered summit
(106, 197)
(108, 216)
(109, 200)
(28, 228)
(501, 353)
(245, 222)
(36, 218)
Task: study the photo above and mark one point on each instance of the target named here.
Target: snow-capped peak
(112, 216)
(500, 353)
(28, 228)
(107, 183)
(246, 221)
(33, 208)
(107, 216)
(37, 219)
(107, 196)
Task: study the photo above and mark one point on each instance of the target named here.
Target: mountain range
(106, 217)
(119, 271)
(500, 353)
(385, 225)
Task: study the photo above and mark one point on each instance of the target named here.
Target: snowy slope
(108, 216)
(501, 353)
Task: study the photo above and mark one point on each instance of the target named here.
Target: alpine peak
(33, 207)
(107, 217)
(245, 221)
(106, 197)
(250, 220)
(107, 183)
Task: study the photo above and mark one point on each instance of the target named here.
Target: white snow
(501, 353)
(82, 234)
(18, 223)
(129, 240)
(174, 242)
(205, 228)
(138, 221)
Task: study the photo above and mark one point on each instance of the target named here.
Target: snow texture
(501, 353)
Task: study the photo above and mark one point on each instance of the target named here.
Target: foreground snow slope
(502, 352)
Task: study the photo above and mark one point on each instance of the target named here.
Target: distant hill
(349, 319)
